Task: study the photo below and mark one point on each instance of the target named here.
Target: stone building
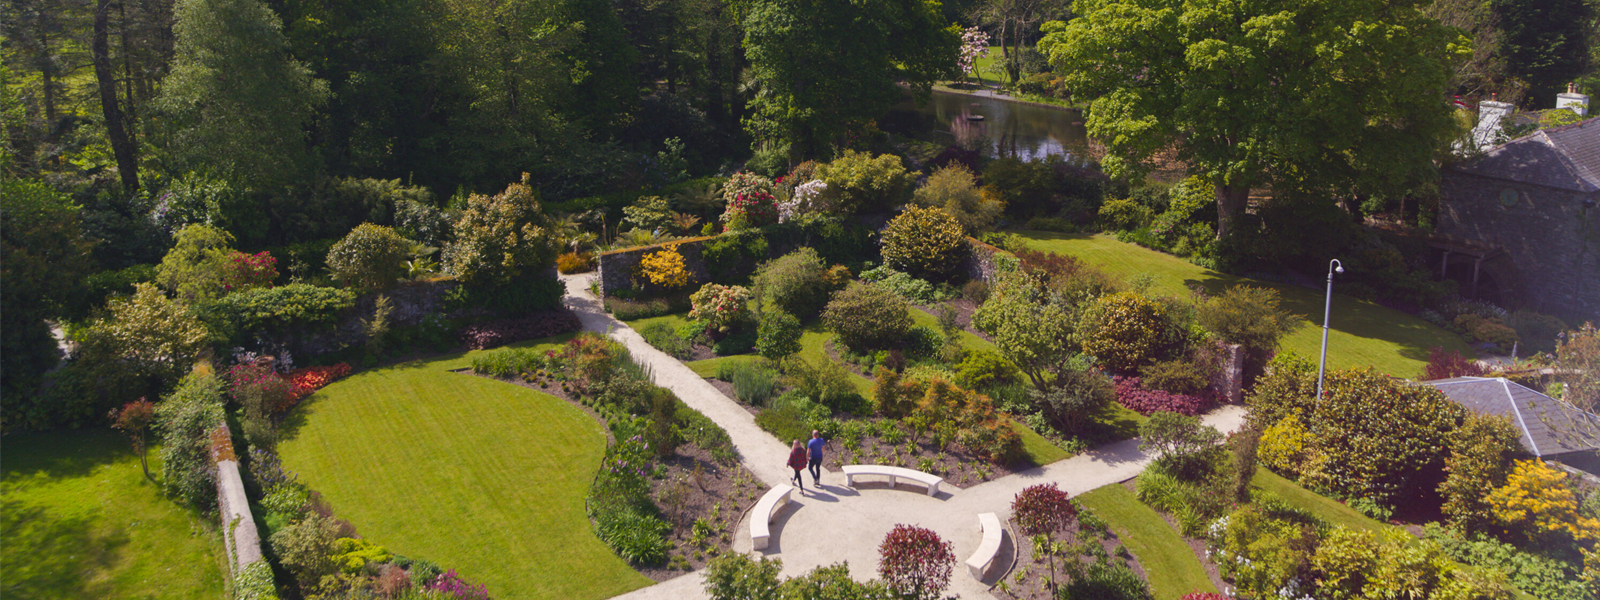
(1520, 226)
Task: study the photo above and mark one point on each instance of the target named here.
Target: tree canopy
(827, 66)
(1342, 97)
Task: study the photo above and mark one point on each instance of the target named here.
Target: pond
(1026, 131)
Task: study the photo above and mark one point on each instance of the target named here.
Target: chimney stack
(1572, 100)
(1491, 114)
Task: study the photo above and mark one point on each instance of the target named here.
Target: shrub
(575, 262)
(915, 290)
(665, 268)
(1445, 364)
(1175, 376)
(736, 576)
(825, 381)
(625, 309)
(792, 416)
(744, 184)
(1125, 214)
(1176, 438)
(1077, 394)
(976, 292)
(281, 310)
(746, 211)
(1252, 317)
(199, 265)
(953, 189)
(665, 338)
(650, 213)
(1107, 581)
(1285, 447)
(915, 562)
(1144, 401)
(797, 283)
(1261, 554)
(1126, 331)
(185, 420)
(1489, 330)
(983, 369)
(720, 306)
(1480, 460)
(251, 271)
(306, 548)
(1539, 502)
(732, 256)
(864, 183)
(370, 257)
(499, 238)
(1536, 331)
(1392, 564)
(498, 333)
(867, 317)
(1538, 576)
(779, 335)
(926, 242)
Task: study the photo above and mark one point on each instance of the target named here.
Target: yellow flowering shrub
(1283, 446)
(665, 268)
(1537, 500)
(928, 243)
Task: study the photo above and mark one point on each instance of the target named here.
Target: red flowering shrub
(250, 271)
(915, 562)
(505, 331)
(1207, 596)
(1146, 401)
(258, 388)
(1444, 364)
(754, 209)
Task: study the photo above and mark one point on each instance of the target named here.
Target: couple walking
(798, 460)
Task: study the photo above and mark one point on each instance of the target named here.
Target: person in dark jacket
(797, 461)
(815, 448)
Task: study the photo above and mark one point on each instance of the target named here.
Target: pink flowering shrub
(453, 586)
(1147, 401)
(250, 271)
(755, 209)
(720, 306)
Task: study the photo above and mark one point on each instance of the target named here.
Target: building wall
(1552, 239)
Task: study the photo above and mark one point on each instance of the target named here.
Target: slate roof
(1565, 157)
(1549, 426)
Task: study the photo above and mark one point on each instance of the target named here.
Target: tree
(801, 50)
(1545, 43)
(1340, 97)
(43, 257)
(1034, 333)
(370, 257)
(122, 145)
(1044, 510)
(953, 189)
(134, 419)
(915, 562)
(1252, 317)
(1014, 22)
(199, 265)
(500, 237)
(149, 334)
(237, 103)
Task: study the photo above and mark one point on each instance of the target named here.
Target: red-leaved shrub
(1444, 364)
(505, 331)
(310, 379)
(915, 562)
(1147, 401)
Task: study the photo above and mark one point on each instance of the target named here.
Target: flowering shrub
(1283, 447)
(1444, 364)
(915, 562)
(1538, 501)
(453, 586)
(575, 262)
(807, 198)
(974, 45)
(310, 379)
(505, 331)
(1145, 401)
(744, 184)
(665, 267)
(250, 271)
(1206, 596)
(259, 389)
(754, 209)
(720, 306)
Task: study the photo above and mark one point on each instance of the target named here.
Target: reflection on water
(1026, 131)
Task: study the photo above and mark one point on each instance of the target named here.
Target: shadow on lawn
(57, 553)
(61, 454)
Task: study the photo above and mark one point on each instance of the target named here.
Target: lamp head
(1338, 269)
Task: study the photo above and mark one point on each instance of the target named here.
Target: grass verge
(1362, 333)
(1169, 565)
(482, 476)
(78, 519)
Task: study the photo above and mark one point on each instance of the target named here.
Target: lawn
(477, 475)
(1169, 565)
(1363, 333)
(78, 519)
(1322, 507)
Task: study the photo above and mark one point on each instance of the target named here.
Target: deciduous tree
(1343, 97)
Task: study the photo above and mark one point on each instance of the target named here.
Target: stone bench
(984, 556)
(895, 474)
(761, 516)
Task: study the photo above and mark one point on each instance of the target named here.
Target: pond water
(1026, 131)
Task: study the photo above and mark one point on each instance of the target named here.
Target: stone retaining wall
(617, 267)
(238, 525)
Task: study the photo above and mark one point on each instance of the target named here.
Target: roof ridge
(1512, 400)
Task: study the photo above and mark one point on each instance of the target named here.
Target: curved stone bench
(984, 556)
(895, 474)
(761, 515)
